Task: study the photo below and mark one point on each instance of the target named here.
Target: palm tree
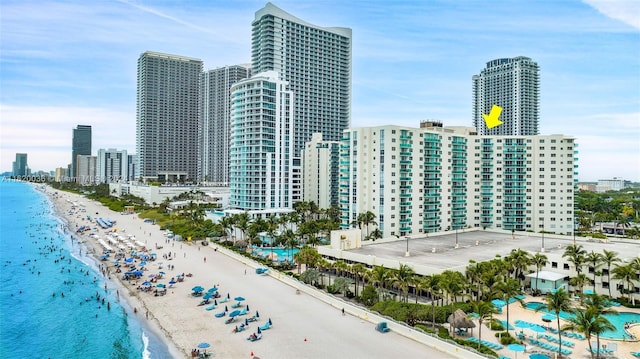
(575, 254)
(484, 311)
(558, 301)
(226, 223)
(379, 277)
(430, 283)
(599, 325)
(357, 269)
(579, 281)
(518, 260)
(595, 260)
(507, 290)
(403, 277)
(369, 218)
(627, 274)
(609, 258)
(581, 322)
(539, 260)
(242, 222)
(474, 275)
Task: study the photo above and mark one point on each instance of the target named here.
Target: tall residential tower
(215, 86)
(167, 116)
(514, 85)
(81, 146)
(315, 61)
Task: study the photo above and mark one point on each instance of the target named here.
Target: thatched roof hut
(458, 319)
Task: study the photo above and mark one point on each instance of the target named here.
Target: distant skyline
(66, 63)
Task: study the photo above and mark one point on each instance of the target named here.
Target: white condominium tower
(320, 171)
(261, 173)
(167, 116)
(430, 179)
(514, 85)
(214, 131)
(112, 166)
(315, 61)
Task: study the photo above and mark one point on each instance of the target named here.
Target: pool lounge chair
(266, 326)
(221, 314)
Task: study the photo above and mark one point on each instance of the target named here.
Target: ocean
(53, 301)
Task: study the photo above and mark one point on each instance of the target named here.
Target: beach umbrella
(163, 273)
(160, 285)
(172, 282)
(498, 303)
(204, 345)
(146, 284)
(516, 348)
(143, 263)
(239, 299)
(235, 313)
(521, 324)
(128, 260)
(151, 275)
(197, 289)
(549, 317)
(207, 296)
(537, 329)
(213, 289)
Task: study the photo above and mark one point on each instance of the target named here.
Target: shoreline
(303, 326)
(130, 301)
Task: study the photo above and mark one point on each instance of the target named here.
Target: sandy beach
(303, 327)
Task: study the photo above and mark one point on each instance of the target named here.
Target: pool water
(283, 254)
(617, 320)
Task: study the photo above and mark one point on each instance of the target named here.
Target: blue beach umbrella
(207, 296)
(520, 324)
(197, 289)
(160, 285)
(516, 348)
(211, 290)
(239, 299)
(235, 313)
(498, 303)
(537, 329)
(204, 345)
(549, 317)
(128, 260)
(146, 284)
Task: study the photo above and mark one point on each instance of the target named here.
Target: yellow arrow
(493, 118)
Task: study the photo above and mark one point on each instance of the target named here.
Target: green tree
(576, 255)
(627, 274)
(506, 290)
(483, 311)
(558, 301)
(581, 322)
(539, 260)
(403, 277)
(380, 277)
(595, 260)
(609, 258)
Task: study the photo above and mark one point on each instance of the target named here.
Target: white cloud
(48, 140)
(627, 11)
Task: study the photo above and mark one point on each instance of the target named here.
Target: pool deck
(581, 348)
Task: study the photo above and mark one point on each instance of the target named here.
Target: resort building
(315, 61)
(132, 167)
(514, 85)
(431, 179)
(214, 130)
(81, 145)
(167, 117)
(320, 171)
(20, 167)
(262, 128)
(615, 184)
(112, 166)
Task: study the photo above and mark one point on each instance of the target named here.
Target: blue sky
(64, 63)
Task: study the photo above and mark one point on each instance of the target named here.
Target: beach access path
(303, 327)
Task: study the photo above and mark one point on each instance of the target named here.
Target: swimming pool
(617, 320)
(279, 254)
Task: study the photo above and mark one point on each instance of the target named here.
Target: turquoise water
(284, 254)
(51, 295)
(617, 320)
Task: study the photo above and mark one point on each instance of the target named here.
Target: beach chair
(237, 305)
(266, 326)
(224, 300)
(221, 314)
(211, 307)
(230, 320)
(253, 337)
(243, 312)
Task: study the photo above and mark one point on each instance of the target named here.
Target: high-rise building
(214, 132)
(315, 61)
(320, 171)
(87, 170)
(81, 146)
(20, 167)
(514, 85)
(132, 163)
(112, 166)
(430, 179)
(261, 173)
(167, 116)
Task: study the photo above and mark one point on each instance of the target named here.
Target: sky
(64, 63)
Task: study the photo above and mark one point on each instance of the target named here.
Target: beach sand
(303, 327)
